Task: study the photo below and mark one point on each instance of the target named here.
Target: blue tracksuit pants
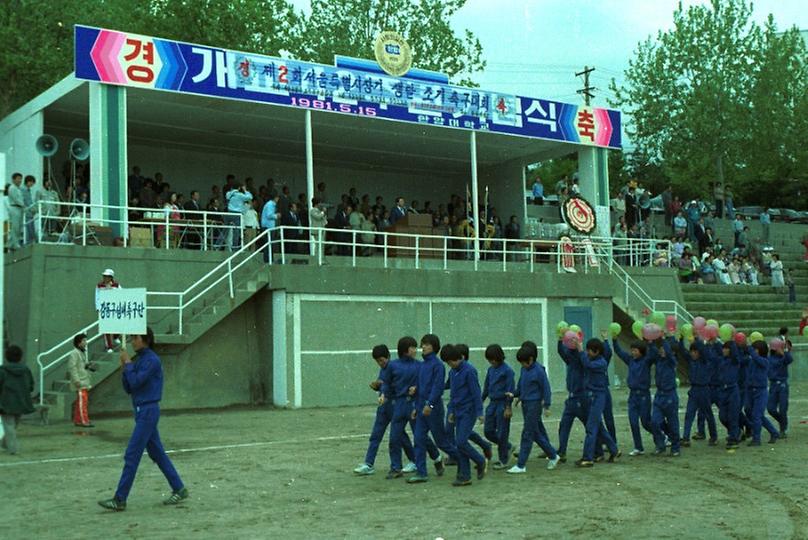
(464, 424)
(424, 425)
(665, 419)
(778, 403)
(533, 432)
(715, 399)
(698, 400)
(474, 437)
(595, 430)
(639, 411)
(577, 407)
(498, 429)
(729, 406)
(756, 398)
(743, 421)
(146, 437)
(402, 415)
(384, 416)
(608, 416)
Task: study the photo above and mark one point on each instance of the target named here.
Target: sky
(534, 47)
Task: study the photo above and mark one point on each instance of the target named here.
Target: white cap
(108, 272)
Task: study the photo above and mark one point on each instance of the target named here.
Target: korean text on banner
(122, 311)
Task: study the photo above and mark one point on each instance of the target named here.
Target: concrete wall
(19, 145)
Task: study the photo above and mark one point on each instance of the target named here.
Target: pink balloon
(777, 344)
(740, 339)
(699, 322)
(710, 332)
(651, 331)
(670, 323)
(570, 339)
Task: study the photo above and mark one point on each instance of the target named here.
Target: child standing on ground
(499, 381)
(779, 361)
(466, 407)
(757, 393)
(597, 386)
(665, 413)
(384, 415)
(698, 397)
(534, 391)
(639, 385)
(16, 385)
(474, 437)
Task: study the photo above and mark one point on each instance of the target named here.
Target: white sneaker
(667, 441)
(516, 469)
(636, 452)
(364, 469)
(551, 464)
(409, 468)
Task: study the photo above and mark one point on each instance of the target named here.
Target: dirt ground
(287, 474)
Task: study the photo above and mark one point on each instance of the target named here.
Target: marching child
(474, 437)
(384, 415)
(577, 403)
(665, 413)
(779, 360)
(639, 383)
(534, 391)
(698, 397)
(429, 412)
(729, 398)
(466, 407)
(597, 387)
(757, 392)
(499, 381)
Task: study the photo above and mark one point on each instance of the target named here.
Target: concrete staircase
(204, 314)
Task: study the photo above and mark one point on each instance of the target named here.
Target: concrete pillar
(108, 167)
(593, 179)
(309, 172)
(475, 197)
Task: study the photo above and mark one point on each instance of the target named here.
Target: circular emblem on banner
(393, 53)
(579, 215)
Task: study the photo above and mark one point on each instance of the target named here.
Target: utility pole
(586, 90)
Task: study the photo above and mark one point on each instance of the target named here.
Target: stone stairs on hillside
(208, 311)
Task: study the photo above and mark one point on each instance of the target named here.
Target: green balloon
(575, 328)
(755, 336)
(658, 317)
(726, 332)
(712, 322)
(615, 329)
(561, 328)
(636, 328)
(687, 330)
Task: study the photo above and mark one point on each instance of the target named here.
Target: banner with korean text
(140, 61)
(122, 311)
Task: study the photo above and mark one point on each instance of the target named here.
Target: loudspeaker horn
(47, 145)
(79, 149)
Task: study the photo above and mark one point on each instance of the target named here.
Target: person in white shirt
(16, 206)
(237, 199)
(317, 221)
(250, 222)
(721, 271)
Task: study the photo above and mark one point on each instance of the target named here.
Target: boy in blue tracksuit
(398, 386)
(142, 378)
(597, 386)
(384, 415)
(757, 392)
(608, 410)
(499, 381)
(639, 385)
(429, 411)
(729, 403)
(778, 388)
(665, 412)
(743, 421)
(711, 352)
(475, 437)
(466, 407)
(698, 397)
(534, 391)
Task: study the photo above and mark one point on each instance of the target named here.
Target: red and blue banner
(133, 60)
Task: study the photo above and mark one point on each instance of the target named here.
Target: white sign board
(122, 311)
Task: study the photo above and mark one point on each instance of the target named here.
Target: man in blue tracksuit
(384, 415)
(757, 392)
(398, 386)
(429, 411)
(698, 397)
(597, 385)
(474, 437)
(639, 385)
(711, 352)
(499, 381)
(143, 380)
(778, 388)
(534, 391)
(665, 413)
(729, 397)
(466, 408)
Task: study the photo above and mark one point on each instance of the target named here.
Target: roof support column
(309, 172)
(108, 170)
(593, 179)
(475, 198)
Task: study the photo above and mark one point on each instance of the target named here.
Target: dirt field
(287, 474)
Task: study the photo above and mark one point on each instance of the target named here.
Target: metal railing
(53, 222)
(185, 300)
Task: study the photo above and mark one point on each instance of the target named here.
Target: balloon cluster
(571, 334)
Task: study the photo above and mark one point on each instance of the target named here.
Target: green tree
(715, 98)
(349, 27)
